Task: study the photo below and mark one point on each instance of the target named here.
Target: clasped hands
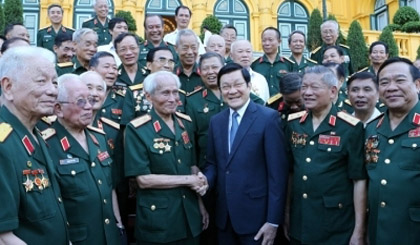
(199, 183)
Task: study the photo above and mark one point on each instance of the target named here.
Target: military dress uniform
(64, 68)
(113, 106)
(163, 215)
(189, 83)
(272, 72)
(325, 164)
(393, 165)
(368, 69)
(86, 183)
(46, 36)
(318, 55)
(31, 199)
(104, 37)
(305, 62)
(123, 80)
(146, 46)
(78, 69)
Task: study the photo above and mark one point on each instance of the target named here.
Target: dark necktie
(234, 127)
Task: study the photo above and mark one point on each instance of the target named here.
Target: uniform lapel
(65, 137)
(93, 145)
(411, 121)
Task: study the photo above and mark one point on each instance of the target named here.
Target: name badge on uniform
(69, 161)
(329, 140)
(103, 156)
(414, 133)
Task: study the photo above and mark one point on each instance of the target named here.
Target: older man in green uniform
(159, 152)
(99, 23)
(297, 43)
(328, 197)
(83, 164)
(393, 159)
(32, 211)
(46, 36)
(86, 43)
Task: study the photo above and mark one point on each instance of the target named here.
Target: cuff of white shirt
(273, 225)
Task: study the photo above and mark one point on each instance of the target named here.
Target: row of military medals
(162, 145)
(139, 98)
(38, 179)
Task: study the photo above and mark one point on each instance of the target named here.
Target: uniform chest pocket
(410, 149)
(73, 179)
(329, 148)
(47, 39)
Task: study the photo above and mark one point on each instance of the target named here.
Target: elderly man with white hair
(100, 21)
(86, 43)
(216, 44)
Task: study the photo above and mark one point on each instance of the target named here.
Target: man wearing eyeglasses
(86, 43)
(83, 163)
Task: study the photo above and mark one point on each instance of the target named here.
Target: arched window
(415, 4)
(291, 16)
(165, 8)
(380, 17)
(31, 18)
(83, 10)
(236, 13)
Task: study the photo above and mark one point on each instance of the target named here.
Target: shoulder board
(110, 122)
(316, 50)
(291, 61)
(347, 101)
(183, 116)
(137, 122)
(311, 60)
(182, 91)
(136, 87)
(295, 115)
(89, 19)
(120, 93)
(364, 69)
(344, 46)
(98, 130)
(381, 105)
(379, 116)
(47, 133)
(71, 29)
(5, 130)
(44, 28)
(65, 64)
(348, 118)
(274, 98)
(49, 120)
(195, 91)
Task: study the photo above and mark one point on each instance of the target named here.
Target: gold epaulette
(344, 46)
(65, 64)
(364, 69)
(98, 130)
(137, 122)
(194, 91)
(296, 115)
(347, 101)
(49, 120)
(5, 130)
(311, 60)
(44, 28)
(348, 118)
(136, 87)
(183, 116)
(110, 123)
(89, 19)
(316, 50)
(120, 92)
(182, 91)
(274, 98)
(47, 133)
(291, 61)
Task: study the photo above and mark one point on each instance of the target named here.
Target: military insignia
(281, 107)
(329, 140)
(261, 59)
(156, 126)
(137, 122)
(185, 137)
(414, 132)
(103, 156)
(69, 161)
(316, 50)
(291, 61)
(29, 184)
(296, 115)
(167, 146)
(274, 98)
(5, 130)
(47, 133)
(95, 21)
(110, 123)
(303, 118)
(111, 144)
(65, 144)
(371, 149)
(348, 118)
(29, 164)
(182, 91)
(183, 116)
(332, 120)
(137, 108)
(204, 93)
(95, 129)
(205, 109)
(298, 139)
(100, 125)
(416, 119)
(37, 180)
(49, 29)
(28, 145)
(380, 121)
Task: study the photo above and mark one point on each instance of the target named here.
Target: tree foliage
(405, 14)
(131, 22)
(2, 21)
(314, 32)
(388, 38)
(212, 23)
(13, 11)
(358, 50)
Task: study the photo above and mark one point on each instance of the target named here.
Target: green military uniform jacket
(393, 165)
(189, 83)
(146, 46)
(325, 164)
(344, 104)
(318, 55)
(305, 62)
(113, 106)
(64, 68)
(163, 215)
(368, 69)
(46, 36)
(104, 37)
(86, 183)
(272, 72)
(123, 80)
(77, 67)
(202, 104)
(31, 200)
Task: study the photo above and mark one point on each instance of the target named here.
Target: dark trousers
(228, 236)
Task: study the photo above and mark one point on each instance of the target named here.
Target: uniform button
(414, 145)
(179, 160)
(106, 221)
(73, 172)
(387, 161)
(59, 199)
(311, 142)
(328, 149)
(176, 143)
(99, 181)
(305, 195)
(391, 141)
(308, 160)
(340, 205)
(271, 75)
(227, 172)
(161, 152)
(383, 204)
(383, 182)
(153, 207)
(105, 201)
(68, 224)
(93, 164)
(183, 196)
(103, 110)
(305, 177)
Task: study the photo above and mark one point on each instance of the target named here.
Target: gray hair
(87, 76)
(150, 83)
(80, 33)
(328, 76)
(15, 61)
(214, 36)
(232, 46)
(63, 94)
(332, 22)
(95, 1)
(185, 32)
